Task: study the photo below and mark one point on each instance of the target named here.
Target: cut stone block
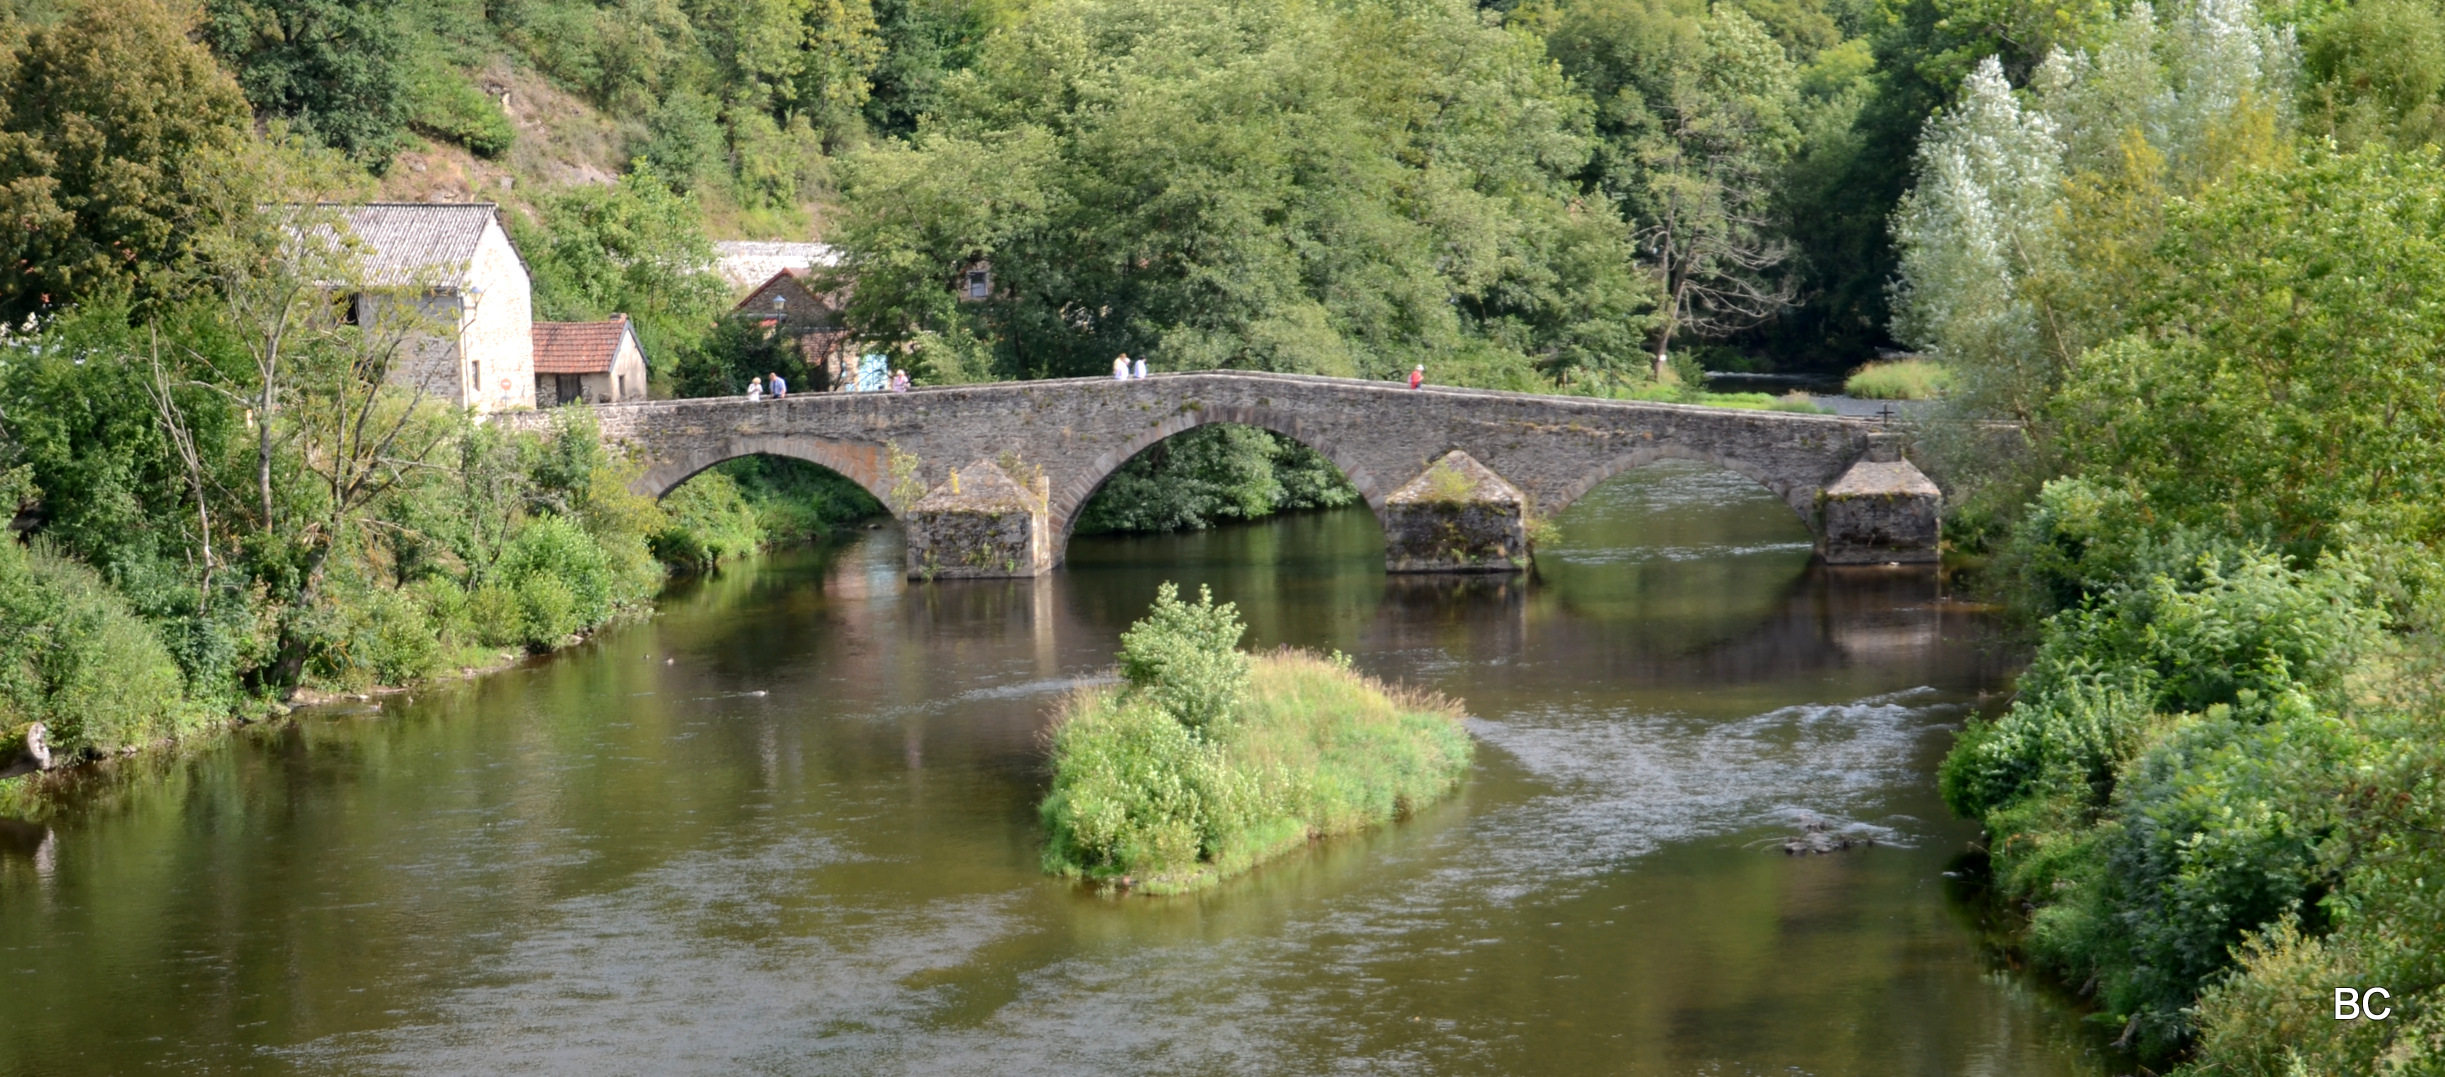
(1879, 512)
(981, 524)
(1457, 516)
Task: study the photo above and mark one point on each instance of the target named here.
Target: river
(787, 827)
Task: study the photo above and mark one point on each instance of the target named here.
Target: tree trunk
(263, 451)
(290, 667)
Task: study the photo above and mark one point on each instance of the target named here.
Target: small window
(980, 283)
(619, 387)
(475, 376)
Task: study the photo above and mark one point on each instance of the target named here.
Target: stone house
(446, 277)
(788, 303)
(596, 362)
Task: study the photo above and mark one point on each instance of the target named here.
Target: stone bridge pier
(988, 480)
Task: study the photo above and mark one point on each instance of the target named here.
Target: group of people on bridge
(774, 387)
(1126, 369)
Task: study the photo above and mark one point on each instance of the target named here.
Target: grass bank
(1899, 379)
(1148, 794)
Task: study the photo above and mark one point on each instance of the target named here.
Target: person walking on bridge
(1138, 370)
(755, 389)
(1417, 375)
(1120, 367)
(779, 388)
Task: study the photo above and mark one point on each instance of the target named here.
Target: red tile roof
(578, 347)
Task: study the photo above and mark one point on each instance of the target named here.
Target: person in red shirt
(1417, 375)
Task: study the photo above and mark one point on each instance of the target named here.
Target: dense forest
(2194, 254)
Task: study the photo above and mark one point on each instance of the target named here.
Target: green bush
(496, 614)
(404, 643)
(2384, 925)
(1135, 793)
(549, 611)
(710, 522)
(2255, 636)
(2159, 788)
(445, 105)
(1184, 660)
(2071, 739)
(2221, 825)
(1138, 799)
(75, 657)
(552, 548)
(1899, 379)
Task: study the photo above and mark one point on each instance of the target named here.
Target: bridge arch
(1072, 496)
(1801, 498)
(859, 462)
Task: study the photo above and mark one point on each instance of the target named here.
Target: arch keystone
(1456, 516)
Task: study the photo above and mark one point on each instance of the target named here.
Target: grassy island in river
(1206, 761)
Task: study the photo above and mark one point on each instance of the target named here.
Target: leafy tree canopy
(333, 68)
(2282, 378)
(1345, 189)
(106, 118)
(632, 247)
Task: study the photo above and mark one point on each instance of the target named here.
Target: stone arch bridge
(989, 479)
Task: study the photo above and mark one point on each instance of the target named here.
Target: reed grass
(1899, 379)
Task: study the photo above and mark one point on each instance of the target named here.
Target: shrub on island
(1206, 761)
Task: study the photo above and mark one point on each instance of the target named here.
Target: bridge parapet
(1382, 435)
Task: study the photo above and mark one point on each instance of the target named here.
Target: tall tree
(924, 41)
(105, 118)
(1980, 222)
(634, 247)
(1697, 118)
(1260, 184)
(335, 69)
(2028, 215)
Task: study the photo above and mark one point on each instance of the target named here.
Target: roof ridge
(418, 205)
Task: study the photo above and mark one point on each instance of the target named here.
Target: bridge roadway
(1845, 478)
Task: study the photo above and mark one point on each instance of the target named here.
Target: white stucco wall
(627, 381)
(498, 327)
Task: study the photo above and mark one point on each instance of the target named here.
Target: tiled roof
(578, 347)
(411, 243)
(757, 300)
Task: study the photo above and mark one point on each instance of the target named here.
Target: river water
(787, 827)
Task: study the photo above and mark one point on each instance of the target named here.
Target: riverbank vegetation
(213, 532)
(1898, 379)
(2193, 253)
(1214, 473)
(1207, 761)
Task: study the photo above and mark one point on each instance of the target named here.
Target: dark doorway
(567, 388)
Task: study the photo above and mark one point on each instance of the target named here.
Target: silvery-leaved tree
(1981, 220)
(2025, 211)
